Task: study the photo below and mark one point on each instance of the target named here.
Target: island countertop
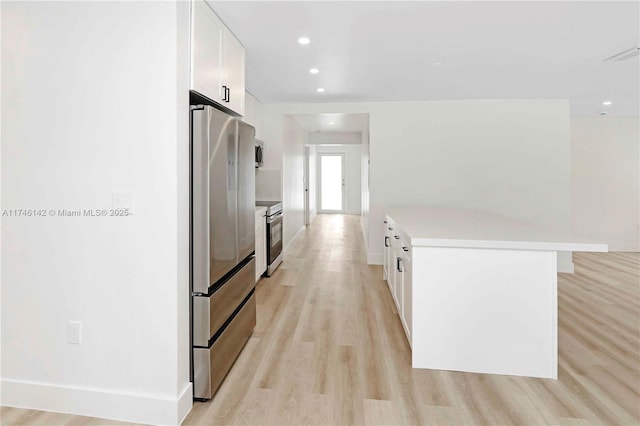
(439, 226)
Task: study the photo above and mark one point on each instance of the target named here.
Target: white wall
(341, 138)
(294, 138)
(507, 156)
(269, 176)
(90, 108)
(253, 114)
(272, 137)
(352, 178)
(605, 181)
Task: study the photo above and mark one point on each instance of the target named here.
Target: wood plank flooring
(329, 349)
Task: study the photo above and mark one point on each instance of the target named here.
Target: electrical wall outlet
(74, 332)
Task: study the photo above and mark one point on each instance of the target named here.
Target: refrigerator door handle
(200, 135)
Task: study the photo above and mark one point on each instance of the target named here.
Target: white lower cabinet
(387, 251)
(398, 276)
(261, 243)
(398, 273)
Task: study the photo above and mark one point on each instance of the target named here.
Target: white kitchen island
(476, 291)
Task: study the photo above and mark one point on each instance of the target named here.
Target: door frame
(319, 182)
(305, 185)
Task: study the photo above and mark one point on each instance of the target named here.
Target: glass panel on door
(332, 182)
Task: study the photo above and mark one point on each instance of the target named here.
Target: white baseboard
(122, 406)
(185, 402)
(285, 251)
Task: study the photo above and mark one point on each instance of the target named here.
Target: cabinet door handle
(228, 94)
(397, 237)
(405, 248)
(398, 260)
(385, 221)
(390, 229)
(224, 96)
(386, 239)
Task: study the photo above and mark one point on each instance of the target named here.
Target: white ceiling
(333, 122)
(385, 51)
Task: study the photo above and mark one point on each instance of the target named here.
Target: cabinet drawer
(210, 312)
(211, 365)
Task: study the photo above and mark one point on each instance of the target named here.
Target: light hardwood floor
(329, 349)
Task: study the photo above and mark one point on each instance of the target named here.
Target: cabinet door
(398, 276)
(261, 245)
(388, 261)
(407, 301)
(385, 263)
(258, 265)
(233, 58)
(206, 49)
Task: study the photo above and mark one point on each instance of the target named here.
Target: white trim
(295, 237)
(305, 184)
(122, 406)
(565, 262)
(185, 402)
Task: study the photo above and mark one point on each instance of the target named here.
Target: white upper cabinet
(217, 59)
(206, 51)
(233, 54)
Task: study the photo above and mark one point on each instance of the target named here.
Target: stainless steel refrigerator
(223, 304)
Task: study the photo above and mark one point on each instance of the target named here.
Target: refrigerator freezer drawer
(211, 312)
(210, 365)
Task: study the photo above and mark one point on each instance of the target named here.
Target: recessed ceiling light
(314, 70)
(320, 89)
(331, 123)
(304, 40)
(607, 103)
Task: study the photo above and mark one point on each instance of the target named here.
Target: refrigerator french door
(222, 244)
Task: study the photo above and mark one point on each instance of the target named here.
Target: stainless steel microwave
(259, 147)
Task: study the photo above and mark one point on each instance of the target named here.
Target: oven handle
(274, 217)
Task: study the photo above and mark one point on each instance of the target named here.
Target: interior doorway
(331, 175)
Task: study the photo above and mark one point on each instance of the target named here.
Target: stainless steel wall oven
(275, 218)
